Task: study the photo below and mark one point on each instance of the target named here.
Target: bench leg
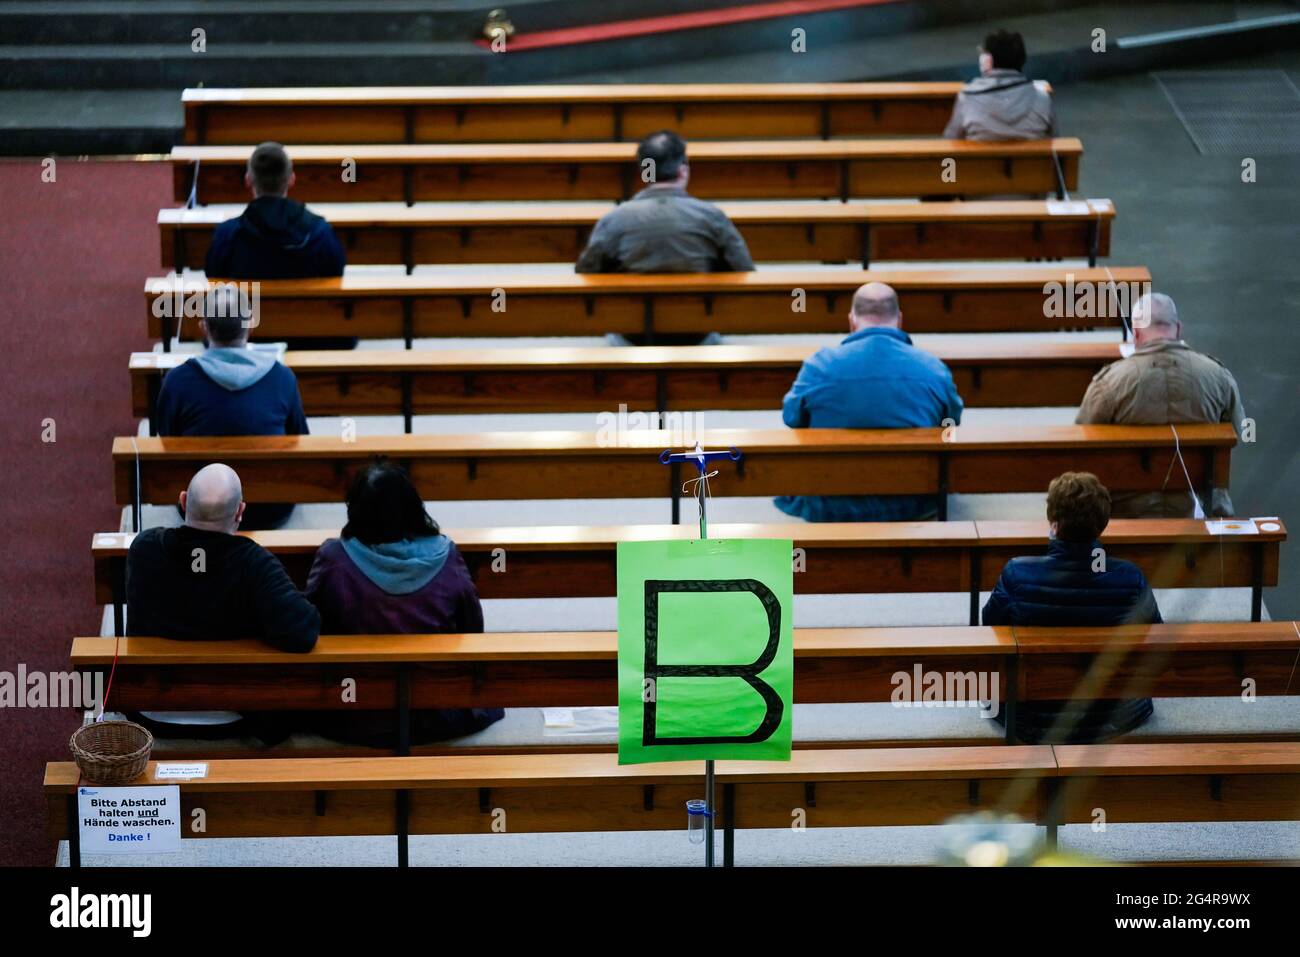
(728, 825)
(1053, 801)
(713, 810)
(74, 833)
(1009, 699)
(1257, 584)
(403, 828)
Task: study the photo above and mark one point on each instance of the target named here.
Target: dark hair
(667, 150)
(1080, 506)
(270, 168)
(385, 506)
(1007, 49)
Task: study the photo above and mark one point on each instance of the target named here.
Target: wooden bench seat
(546, 669)
(578, 669)
(848, 558)
(584, 792)
(373, 382)
(756, 169)
(428, 233)
(566, 112)
(552, 464)
(996, 299)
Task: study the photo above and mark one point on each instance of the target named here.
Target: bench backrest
(381, 233)
(836, 788)
(851, 558)
(555, 113)
(1002, 299)
(549, 465)
(761, 169)
(578, 669)
(454, 381)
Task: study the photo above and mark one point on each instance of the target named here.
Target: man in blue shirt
(874, 379)
(230, 389)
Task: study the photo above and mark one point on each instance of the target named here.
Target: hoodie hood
(280, 222)
(235, 368)
(400, 568)
(1015, 93)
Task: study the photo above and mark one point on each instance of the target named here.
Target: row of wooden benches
(774, 169)
(516, 303)
(492, 466)
(559, 113)
(831, 558)
(430, 233)
(988, 373)
(397, 673)
(582, 792)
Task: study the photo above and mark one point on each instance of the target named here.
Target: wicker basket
(111, 752)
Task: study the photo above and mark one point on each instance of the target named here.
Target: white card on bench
(1232, 526)
(1068, 207)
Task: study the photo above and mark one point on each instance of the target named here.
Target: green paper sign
(705, 650)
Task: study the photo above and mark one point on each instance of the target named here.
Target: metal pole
(709, 804)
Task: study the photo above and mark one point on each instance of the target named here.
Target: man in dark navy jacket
(1074, 584)
(231, 389)
(277, 237)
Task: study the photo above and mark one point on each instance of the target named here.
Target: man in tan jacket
(1164, 381)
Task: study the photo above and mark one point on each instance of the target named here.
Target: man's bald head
(214, 501)
(875, 304)
(1155, 319)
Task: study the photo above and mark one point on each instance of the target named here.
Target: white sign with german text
(137, 820)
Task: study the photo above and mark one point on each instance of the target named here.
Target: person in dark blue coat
(874, 379)
(277, 237)
(230, 389)
(1076, 584)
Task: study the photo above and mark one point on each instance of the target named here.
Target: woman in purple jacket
(391, 571)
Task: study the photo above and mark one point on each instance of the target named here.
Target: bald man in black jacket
(202, 582)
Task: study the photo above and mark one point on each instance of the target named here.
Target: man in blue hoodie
(874, 379)
(230, 389)
(277, 237)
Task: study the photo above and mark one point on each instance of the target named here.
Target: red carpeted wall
(74, 254)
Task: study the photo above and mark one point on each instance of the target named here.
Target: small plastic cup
(697, 813)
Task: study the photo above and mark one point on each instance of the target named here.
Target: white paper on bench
(1068, 207)
(180, 772)
(582, 721)
(1232, 526)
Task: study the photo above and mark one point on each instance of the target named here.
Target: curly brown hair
(1080, 506)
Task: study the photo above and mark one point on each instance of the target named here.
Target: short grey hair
(1154, 309)
(876, 301)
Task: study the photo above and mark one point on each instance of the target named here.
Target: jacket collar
(1058, 548)
(1161, 345)
(887, 331)
(661, 189)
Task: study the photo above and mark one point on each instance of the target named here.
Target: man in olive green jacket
(1164, 381)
